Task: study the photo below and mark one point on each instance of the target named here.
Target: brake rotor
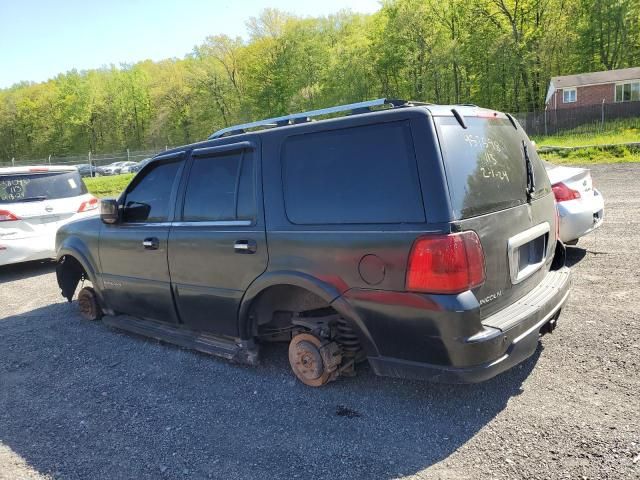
(306, 360)
(88, 304)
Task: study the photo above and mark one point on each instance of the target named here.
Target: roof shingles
(609, 76)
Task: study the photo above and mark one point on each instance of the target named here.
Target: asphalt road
(80, 400)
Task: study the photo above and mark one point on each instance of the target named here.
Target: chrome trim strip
(517, 241)
(220, 223)
(143, 224)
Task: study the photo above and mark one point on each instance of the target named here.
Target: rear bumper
(34, 245)
(580, 217)
(27, 249)
(504, 340)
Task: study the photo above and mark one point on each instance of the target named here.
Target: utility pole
(128, 157)
(90, 166)
(603, 114)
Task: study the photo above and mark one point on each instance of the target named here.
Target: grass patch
(592, 155)
(104, 187)
(622, 131)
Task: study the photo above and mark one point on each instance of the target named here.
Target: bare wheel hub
(306, 360)
(88, 304)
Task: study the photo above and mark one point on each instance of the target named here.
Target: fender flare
(326, 291)
(76, 248)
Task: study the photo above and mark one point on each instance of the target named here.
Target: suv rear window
(355, 175)
(40, 186)
(485, 164)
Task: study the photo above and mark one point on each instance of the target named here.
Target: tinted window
(40, 186)
(354, 175)
(148, 199)
(485, 164)
(220, 188)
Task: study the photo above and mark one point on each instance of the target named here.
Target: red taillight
(564, 193)
(87, 205)
(7, 216)
(446, 263)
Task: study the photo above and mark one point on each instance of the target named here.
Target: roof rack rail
(302, 117)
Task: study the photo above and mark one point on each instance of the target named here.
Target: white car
(128, 167)
(111, 169)
(34, 203)
(580, 206)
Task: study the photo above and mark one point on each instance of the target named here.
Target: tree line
(494, 53)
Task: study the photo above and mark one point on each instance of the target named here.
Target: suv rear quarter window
(358, 175)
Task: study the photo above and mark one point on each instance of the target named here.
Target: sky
(39, 38)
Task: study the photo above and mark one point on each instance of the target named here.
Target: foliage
(111, 186)
(495, 53)
(591, 155)
(619, 131)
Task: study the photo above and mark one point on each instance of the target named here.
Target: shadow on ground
(80, 400)
(22, 271)
(575, 255)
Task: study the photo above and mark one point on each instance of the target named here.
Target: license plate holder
(528, 251)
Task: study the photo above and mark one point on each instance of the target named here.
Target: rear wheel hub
(306, 360)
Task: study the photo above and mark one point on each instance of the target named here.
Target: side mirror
(109, 211)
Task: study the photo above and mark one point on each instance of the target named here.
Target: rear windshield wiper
(32, 199)
(531, 179)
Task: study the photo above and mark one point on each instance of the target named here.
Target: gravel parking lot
(80, 400)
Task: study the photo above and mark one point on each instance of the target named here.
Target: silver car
(580, 206)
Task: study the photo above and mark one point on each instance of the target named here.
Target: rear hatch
(37, 202)
(499, 188)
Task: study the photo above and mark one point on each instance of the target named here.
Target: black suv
(421, 238)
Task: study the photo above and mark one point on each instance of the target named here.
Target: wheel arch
(72, 261)
(327, 292)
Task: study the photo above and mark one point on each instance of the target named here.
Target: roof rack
(302, 117)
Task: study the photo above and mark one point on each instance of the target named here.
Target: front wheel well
(69, 272)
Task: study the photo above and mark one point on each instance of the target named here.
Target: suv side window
(355, 175)
(219, 188)
(148, 199)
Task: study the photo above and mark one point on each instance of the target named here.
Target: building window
(569, 95)
(628, 91)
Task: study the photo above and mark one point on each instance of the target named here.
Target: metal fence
(94, 159)
(582, 120)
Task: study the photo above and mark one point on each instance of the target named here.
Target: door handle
(151, 243)
(245, 246)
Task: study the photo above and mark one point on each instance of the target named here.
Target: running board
(245, 352)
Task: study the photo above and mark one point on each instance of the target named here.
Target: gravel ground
(80, 400)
